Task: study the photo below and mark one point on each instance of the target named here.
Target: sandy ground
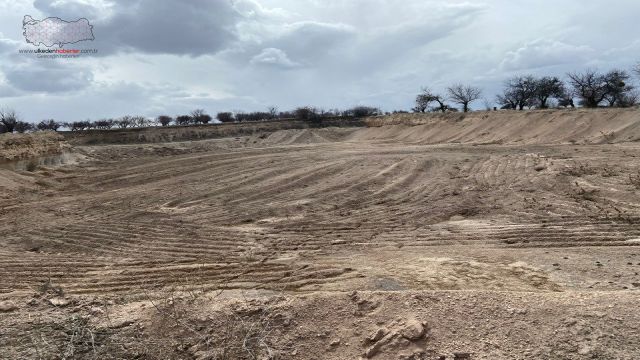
(326, 244)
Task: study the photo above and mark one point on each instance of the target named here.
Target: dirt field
(410, 239)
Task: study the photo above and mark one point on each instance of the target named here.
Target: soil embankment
(200, 132)
(583, 126)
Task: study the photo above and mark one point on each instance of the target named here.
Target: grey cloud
(8, 45)
(542, 53)
(274, 57)
(48, 77)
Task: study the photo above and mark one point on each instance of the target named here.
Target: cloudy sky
(171, 56)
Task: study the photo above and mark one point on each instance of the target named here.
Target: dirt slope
(330, 244)
(509, 127)
(15, 147)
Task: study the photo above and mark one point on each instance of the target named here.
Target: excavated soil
(396, 241)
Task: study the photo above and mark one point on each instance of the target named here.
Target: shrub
(225, 117)
(164, 120)
(23, 127)
(199, 116)
(50, 124)
(183, 120)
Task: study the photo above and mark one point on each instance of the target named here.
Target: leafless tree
(125, 122)
(273, 112)
(547, 88)
(636, 69)
(225, 117)
(50, 124)
(464, 95)
(519, 92)
(199, 116)
(617, 87)
(8, 119)
(183, 120)
(23, 127)
(427, 97)
(590, 86)
(164, 120)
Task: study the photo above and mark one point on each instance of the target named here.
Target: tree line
(9, 121)
(592, 89)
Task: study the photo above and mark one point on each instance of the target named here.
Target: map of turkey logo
(54, 31)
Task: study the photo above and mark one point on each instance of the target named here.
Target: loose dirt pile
(380, 243)
(15, 147)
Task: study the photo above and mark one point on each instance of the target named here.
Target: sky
(172, 56)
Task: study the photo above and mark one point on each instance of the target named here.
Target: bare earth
(382, 242)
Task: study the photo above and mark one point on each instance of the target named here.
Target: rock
(121, 323)
(373, 350)
(94, 310)
(413, 330)
(7, 306)
(540, 167)
(335, 343)
(32, 302)
(378, 335)
(59, 302)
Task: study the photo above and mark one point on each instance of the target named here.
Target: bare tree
(508, 100)
(225, 117)
(547, 88)
(617, 87)
(50, 124)
(164, 120)
(464, 95)
(427, 97)
(183, 120)
(636, 69)
(273, 112)
(200, 116)
(519, 92)
(125, 122)
(23, 127)
(8, 119)
(104, 124)
(590, 86)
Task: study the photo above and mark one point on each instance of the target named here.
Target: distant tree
(8, 119)
(427, 97)
(183, 120)
(358, 111)
(507, 100)
(103, 124)
(306, 113)
(79, 125)
(464, 95)
(50, 125)
(140, 121)
(590, 86)
(225, 117)
(617, 87)
(164, 120)
(548, 88)
(273, 112)
(636, 69)
(631, 98)
(519, 92)
(199, 116)
(125, 122)
(23, 127)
